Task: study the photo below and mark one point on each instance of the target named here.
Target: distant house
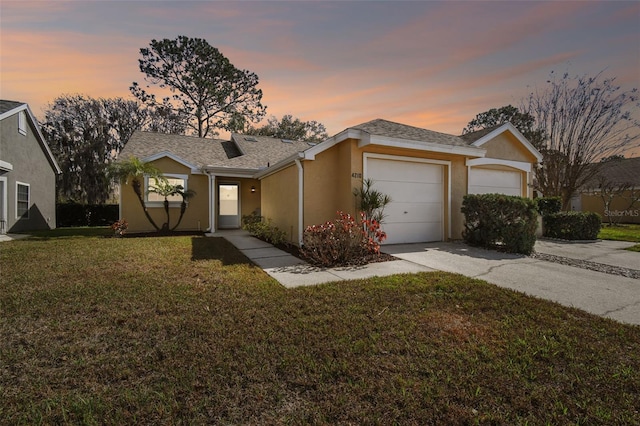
(296, 184)
(27, 172)
(618, 183)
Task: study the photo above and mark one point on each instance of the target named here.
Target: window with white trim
(22, 123)
(154, 197)
(22, 200)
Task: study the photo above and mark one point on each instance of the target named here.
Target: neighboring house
(27, 172)
(620, 180)
(296, 184)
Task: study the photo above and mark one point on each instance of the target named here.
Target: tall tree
(582, 119)
(522, 121)
(85, 134)
(291, 128)
(200, 82)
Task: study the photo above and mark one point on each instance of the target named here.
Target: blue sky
(428, 64)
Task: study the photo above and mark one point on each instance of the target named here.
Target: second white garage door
(415, 213)
(486, 181)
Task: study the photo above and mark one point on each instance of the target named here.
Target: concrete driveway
(607, 295)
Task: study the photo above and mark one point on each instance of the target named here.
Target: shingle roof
(478, 134)
(380, 127)
(237, 153)
(8, 105)
(619, 172)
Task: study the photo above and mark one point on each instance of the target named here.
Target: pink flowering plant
(345, 241)
(120, 227)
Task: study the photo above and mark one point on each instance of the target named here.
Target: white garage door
(485, 181)
(417, 197)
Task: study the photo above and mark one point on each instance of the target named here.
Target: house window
(22, 200)
(22, 123)
(154, 197)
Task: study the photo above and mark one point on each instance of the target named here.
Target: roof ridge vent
(286, 140)
(250, 139)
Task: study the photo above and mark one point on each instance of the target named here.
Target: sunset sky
(428, 64)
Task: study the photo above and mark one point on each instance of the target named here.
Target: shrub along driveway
(601, 293)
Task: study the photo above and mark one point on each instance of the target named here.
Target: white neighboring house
(28, 172)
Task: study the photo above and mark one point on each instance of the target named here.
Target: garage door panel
(399, 233)
(413, 212)
(411, 171)
(410, 191)
(486, 181)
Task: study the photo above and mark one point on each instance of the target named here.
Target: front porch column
(212, 203)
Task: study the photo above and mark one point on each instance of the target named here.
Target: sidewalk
(292, 272)
(12, 237)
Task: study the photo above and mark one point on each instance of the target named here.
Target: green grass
(627, 232)
(170, 330)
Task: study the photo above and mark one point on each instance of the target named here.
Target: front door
(229, 205)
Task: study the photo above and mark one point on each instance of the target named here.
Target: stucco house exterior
(621, 180)
(296, 184)
(27, 172)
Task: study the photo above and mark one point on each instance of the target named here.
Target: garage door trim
(366, 156)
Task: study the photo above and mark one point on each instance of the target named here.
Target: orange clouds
(39, 67)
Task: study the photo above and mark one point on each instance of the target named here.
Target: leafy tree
(85, 134)
(291, 128)
(582, 119)
(165, 189)
(203, 84)
(524, 122)
(134, 170)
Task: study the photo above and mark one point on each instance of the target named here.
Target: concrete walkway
(291, 272)
(12, 237)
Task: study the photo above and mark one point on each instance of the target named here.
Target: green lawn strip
(186, 330)
(627, 232)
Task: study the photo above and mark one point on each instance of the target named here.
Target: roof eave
(229, 171)
(290, 160)
(470, 151)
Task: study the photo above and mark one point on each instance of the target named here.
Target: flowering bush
(345, 241)
(120, 227)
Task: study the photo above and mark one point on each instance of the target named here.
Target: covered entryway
(493, 181)
(416, 188)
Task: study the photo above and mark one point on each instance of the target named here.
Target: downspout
(212, 203)
(300, 201)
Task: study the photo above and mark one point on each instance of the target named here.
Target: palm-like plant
(134, 170)
(166, 189)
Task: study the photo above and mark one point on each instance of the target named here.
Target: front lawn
(627, 232)
(185, 330)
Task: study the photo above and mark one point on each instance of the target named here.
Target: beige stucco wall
(279, 200)
(196, 216)
(505, 146)
(328, 185)
(620, 210)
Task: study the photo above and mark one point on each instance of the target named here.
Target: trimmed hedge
(73, 214)
(572, 225)
(502, 222)
(549, 205)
